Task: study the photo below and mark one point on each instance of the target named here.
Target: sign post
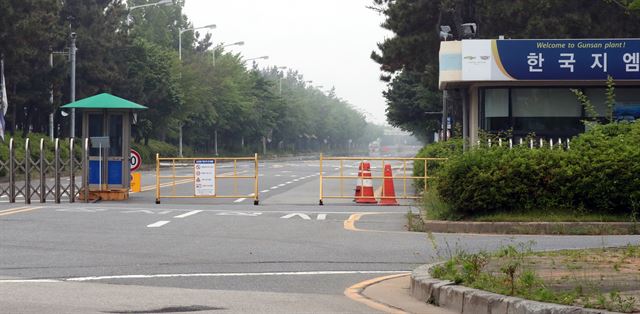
(135, 160)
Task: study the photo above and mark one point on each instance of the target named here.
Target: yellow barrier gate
(356, 161)
(205, 176)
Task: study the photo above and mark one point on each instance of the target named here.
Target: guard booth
(106, 123)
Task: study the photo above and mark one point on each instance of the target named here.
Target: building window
(547, 112)
(496, 109)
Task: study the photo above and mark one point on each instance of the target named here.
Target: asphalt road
(287, 255)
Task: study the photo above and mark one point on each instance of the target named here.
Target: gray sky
(327, 41)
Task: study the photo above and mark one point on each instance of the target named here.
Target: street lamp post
(257, 58)
(180, 32)
(161, 2)
(240, 43)
(72, 59)
(280, 81)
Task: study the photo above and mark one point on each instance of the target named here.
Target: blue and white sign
(204, 177)
(549, 60)
(569, 59)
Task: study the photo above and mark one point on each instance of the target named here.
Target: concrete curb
(473, 301)
(569, 228)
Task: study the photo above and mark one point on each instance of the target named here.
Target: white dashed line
(281, 185)
(274, 187)
(188, 214)
(264, 191)
(289, 182)
(158, 224)
(240, 200)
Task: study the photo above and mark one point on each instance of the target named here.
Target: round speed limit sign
(135, 160)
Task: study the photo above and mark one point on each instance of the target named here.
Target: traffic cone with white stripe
(359, 181)
(366, 191)
(388, 196)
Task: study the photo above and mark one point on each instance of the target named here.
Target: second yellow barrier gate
(205, 176)
(374, 162)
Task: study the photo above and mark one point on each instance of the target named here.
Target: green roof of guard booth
(104, 101)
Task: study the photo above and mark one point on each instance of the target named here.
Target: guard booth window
(115, 135)
(96, 129)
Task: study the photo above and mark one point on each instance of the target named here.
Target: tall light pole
(240, 43)
(257, 58)
(161, 2)
(72, 59)
(180, 32)
(280, 81)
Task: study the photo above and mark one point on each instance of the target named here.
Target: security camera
(469, 30)
(73, 35)
(445, 32)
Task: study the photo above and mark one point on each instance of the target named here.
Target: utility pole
(51, 97)
(72, 57)
(444, 115)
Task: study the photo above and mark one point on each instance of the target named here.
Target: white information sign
(205, 177)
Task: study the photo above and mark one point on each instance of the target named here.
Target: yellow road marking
(12, 209)
(355, 293)
(168, 184)
(349, 224)
(17, 210)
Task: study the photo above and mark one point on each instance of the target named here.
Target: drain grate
(172, 309)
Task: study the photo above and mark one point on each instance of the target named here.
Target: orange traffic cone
(388, 192)
(366, 191)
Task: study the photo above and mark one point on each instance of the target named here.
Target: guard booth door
(107, 167)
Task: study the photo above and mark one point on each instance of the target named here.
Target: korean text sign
(575, 59)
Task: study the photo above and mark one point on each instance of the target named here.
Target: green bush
(34, 148)
(148, 152)
(600, 173)
(447, 149)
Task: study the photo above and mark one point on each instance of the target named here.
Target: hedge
(599, 174)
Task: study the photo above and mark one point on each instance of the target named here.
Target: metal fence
(179, 171)
(43, 178)
(530, 143)
(404, 168)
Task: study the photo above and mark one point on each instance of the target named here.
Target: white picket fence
(531, 143)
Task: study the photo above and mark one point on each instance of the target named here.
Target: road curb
(466, 300)
(553, 228)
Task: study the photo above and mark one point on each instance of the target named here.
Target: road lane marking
(274, 187)
(192, 275)
(158, 224)
(321, 217)
(240, 200)
(193, 212)
(239, 214)
(289, 182)
(301, 215)
(17, 210)
(355, 293)
(264, 191)
(281, 185)
(30, 281)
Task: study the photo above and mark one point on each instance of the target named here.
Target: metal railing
(405, 168)
(42, 177)
(174, 179)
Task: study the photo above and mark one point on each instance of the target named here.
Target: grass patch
(605, 278)
(551, 216)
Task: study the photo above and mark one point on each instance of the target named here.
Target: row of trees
(134, 54)
(409, 59)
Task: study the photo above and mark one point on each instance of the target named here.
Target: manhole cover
(172, 309)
